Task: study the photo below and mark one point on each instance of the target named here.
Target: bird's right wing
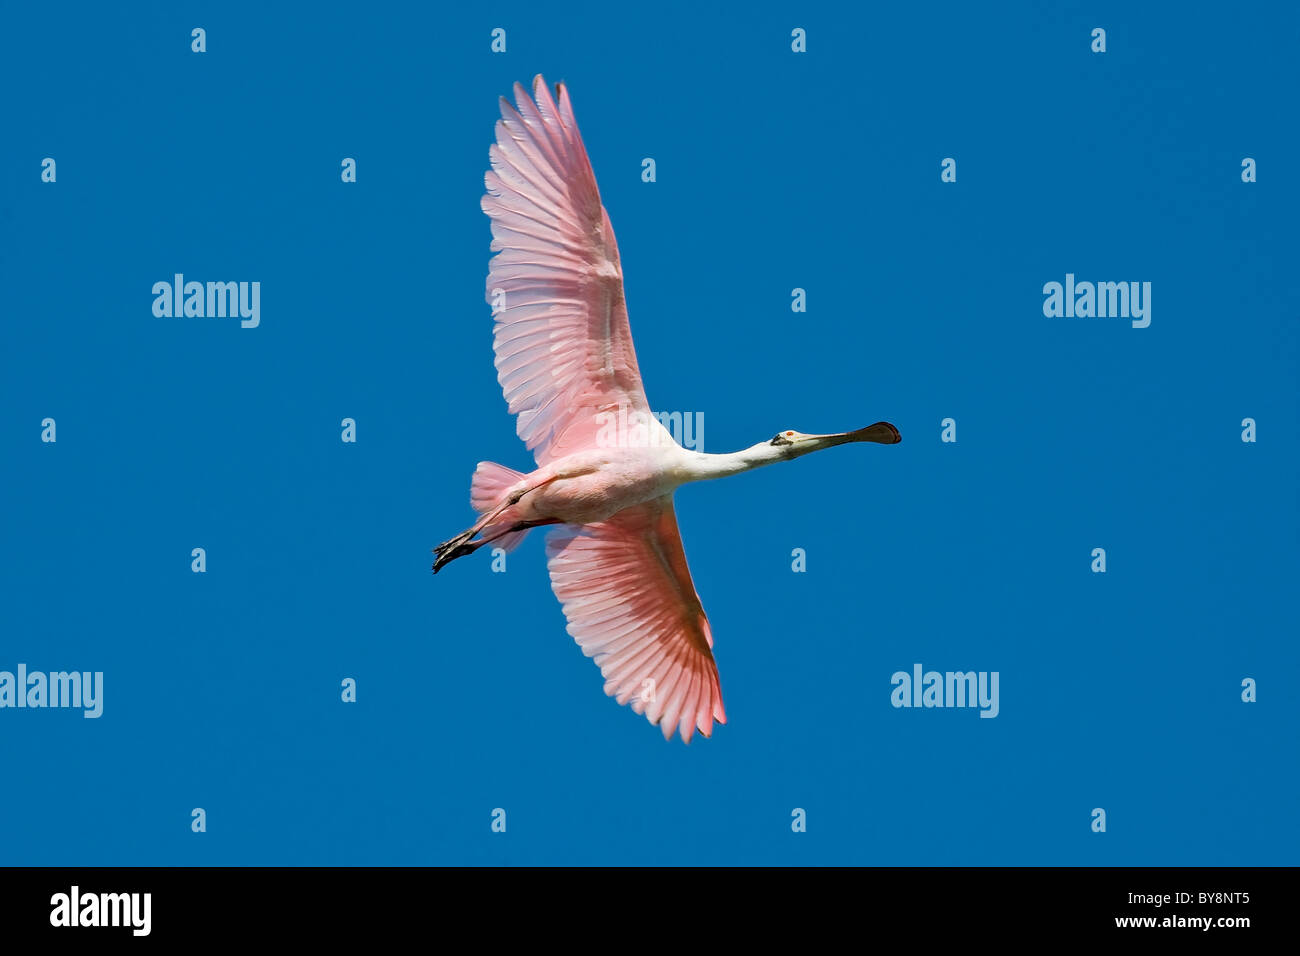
(628, 596)
(563, 347)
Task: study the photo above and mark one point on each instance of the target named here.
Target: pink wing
(631, 605)
(563, 347)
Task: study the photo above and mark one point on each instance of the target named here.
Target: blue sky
(775, 171)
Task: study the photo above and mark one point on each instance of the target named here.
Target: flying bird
(565, 361)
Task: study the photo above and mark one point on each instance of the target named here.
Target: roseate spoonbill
(564, 358)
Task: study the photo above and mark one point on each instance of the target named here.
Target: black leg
(460, 545)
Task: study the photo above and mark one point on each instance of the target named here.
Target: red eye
(788, 434)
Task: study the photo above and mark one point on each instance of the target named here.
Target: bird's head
(797, 443)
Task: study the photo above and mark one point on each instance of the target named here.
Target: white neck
(701, 466)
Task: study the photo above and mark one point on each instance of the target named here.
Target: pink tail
(486, 489)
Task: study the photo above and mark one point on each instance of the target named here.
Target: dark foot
(459, 551)
(452, 549)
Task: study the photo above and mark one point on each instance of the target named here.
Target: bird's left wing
(630, 603)
(563, 347)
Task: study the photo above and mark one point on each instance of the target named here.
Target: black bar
(232, 905)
